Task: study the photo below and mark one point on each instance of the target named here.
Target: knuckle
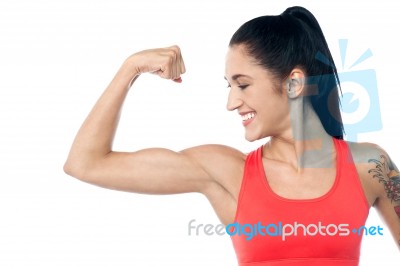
(176, 48)
(172, 55)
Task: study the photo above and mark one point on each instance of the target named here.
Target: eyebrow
(237, 76)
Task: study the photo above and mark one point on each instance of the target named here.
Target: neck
(305, 144)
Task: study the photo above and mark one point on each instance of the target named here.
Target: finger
(175, 68)
(178, 70)
(175, 48)
(173, 72)
(172, 66)
(164, 71)
(178, 80)
(181, 64)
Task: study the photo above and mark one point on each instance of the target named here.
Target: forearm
(94, 139)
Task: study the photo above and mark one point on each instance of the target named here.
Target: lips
(247, 117)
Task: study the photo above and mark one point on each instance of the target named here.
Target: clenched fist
(164, 62)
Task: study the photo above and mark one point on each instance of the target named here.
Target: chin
(250, 139)
(253, 136)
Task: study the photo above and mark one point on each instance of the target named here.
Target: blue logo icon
(360, 101)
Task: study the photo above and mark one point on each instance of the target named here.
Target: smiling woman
(255, 94)
(305, 175)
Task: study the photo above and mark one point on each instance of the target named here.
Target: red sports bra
(272, 230)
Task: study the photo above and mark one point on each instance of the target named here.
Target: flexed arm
(95, 137)
(91, 158)
(213, 170)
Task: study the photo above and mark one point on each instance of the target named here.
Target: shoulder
(366, 152)
(219, 161)
(215, 152)
(216, 149)
(368, 156)
(373, 165)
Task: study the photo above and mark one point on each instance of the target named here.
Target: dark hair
(295, 39)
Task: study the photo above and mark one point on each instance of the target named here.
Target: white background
(56, 57)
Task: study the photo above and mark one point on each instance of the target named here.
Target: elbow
(75, 169)
(68, 169)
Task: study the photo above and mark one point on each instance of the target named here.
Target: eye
(243, 86)
(228, 86)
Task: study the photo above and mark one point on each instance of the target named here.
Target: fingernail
(178, 80)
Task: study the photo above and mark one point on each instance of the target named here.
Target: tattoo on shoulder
(388, 175)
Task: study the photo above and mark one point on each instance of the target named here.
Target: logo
(360, 102)
(281, 230)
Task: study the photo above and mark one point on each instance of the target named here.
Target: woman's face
(254, 93)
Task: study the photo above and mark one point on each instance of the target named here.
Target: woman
(300, 199)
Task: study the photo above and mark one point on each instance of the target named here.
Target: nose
(234, 101)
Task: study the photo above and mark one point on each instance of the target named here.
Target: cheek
(274, 105)
(275, 116)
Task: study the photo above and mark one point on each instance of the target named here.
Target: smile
(247, 118)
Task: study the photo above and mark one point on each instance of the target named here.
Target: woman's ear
(295, 83)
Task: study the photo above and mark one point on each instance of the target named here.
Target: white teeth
(248, 116)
